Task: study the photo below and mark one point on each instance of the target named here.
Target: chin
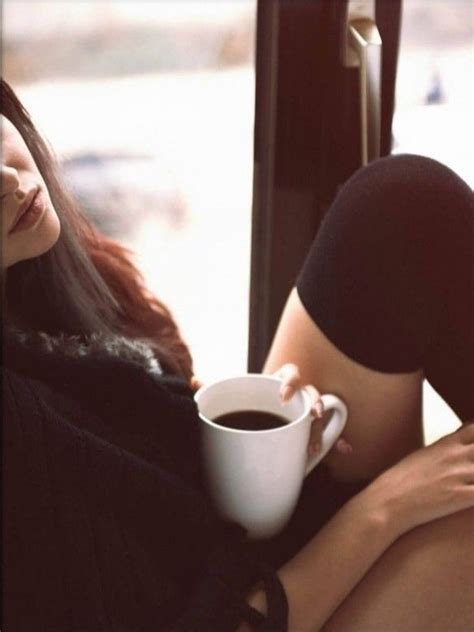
(35, 243)
(45, 234)
(52, 230)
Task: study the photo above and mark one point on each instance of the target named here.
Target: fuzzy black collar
(30, 350)
(111, 385)
(90, 367)
(111, 374)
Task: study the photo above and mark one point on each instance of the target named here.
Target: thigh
(423, 583)
(384, 422)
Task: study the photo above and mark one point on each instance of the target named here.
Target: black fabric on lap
(277, 606)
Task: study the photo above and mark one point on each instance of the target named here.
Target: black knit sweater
(107, 525)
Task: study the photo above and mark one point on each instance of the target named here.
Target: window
(433, 115)
(150, 107)
(434, 92)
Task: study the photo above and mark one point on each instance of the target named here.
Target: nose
(9, 181)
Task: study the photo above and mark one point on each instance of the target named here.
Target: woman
(106, 521)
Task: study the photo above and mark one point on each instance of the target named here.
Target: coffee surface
(251, 420)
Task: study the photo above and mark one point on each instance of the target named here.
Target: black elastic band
(253, 616)
(277, 605)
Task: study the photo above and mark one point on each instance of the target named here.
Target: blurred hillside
(105, 39)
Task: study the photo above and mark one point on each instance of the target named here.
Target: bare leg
(394, 306)
(423, 583)
(384, 421)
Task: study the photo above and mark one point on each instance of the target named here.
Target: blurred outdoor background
(149, 107)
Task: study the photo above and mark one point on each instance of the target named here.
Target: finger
(287, 370)
(195, 383)
(314, 444)
(317, 406)
(291, 381)
(466, 432)
(343, 447)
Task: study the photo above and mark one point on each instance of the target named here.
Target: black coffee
(251, 420)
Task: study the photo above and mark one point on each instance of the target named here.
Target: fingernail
(345, 448)
(285, 393)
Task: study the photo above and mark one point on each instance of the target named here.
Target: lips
(24, 207)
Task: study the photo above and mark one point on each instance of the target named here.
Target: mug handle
(332, 431)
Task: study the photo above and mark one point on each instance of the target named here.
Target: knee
(405, 195)
(422, 582)
(454, 532)
(410, 174)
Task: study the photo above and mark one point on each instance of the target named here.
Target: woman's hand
(195, 383)
(291, 382)
(432, 482)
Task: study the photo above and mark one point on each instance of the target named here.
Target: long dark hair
(86, 282)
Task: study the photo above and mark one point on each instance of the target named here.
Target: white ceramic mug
(255, 477)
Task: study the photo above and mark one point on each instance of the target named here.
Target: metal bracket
(362, 48)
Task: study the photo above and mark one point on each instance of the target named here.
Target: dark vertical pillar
(307, 140)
